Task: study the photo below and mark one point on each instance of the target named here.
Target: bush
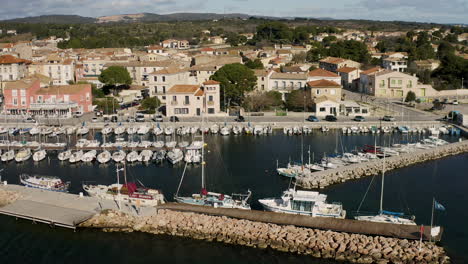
(410, 97)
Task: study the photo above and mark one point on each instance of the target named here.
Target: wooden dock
(338, 225)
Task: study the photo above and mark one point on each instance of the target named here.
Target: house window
(382, 83)
(410, 84)
(284, 84)
(276, 84)
(164, 97)
(393, 81)
(155, 78)
(15, 101)
(39, 99)
(263, 87)
(181, 111)
(400, 82)
(14, 92)
(186, 101)
(164, 78)
(210, 98)
(23, 100)
(87, 97)
(332, 91)
(317, 92)
(198, 97)
(164, 89)
(174, 98)
(322, 109)
(299, 84)
(23, 92)
(292, 84)
(211, 110)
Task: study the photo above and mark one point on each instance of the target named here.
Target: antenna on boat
(383, 180)
(118, 184)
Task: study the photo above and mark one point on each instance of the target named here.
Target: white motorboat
(171, 144)
(89, 156)
(304, 203)
(64, 155)
(106, 130)
(258, 130)
(34, 131)
(183, 144)
(175, 155)
(81, 143)
(8, 156)
(194, 130)
(92, 143)
(133, 156)
(192, 155)
(169, 130)
(76, 156)
(120, 143)
(145, 144)
(143, 130)
(225, 131)
(236, 130)
(119, 156)
(46, 130)
(70, 130)
(39, 155)
(214, 129)
(48, 183)
(104, 157)
(157, 131)
(4, 130)
(23, 155)
(119, 130)
(132, 144)
(158, 144)
(350, 158)
(82, 131)
(132, 130)
(146, 155)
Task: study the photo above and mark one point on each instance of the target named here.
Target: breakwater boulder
(8, 197)
(325, 178)
(353, 248)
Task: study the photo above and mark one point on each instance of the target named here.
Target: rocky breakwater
(325, 178)
(316, 243)
(8, 197)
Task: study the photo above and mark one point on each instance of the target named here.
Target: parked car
(359, 119)
(29, 120)
(114, 119)
(240, 119)
(140, 117)
(455, 102)
(77, 114)
(94, 119)
(312, 118)
(331, 118)
(174, 119)
(98, 113)
(388, 118)
(158, 118)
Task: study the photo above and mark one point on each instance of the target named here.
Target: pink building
(28, 97)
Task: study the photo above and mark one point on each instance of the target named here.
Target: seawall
(325, 178)
(353, 248)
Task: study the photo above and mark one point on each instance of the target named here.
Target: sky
(439, 11)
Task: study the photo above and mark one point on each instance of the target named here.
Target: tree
(410, 97)
(254, 64)
(108, 105)
(256, 102)
(150, 104)
(299, 57)
(350, 49)
(115, 76)
(235, 79)
(275, 32)
(296, 99)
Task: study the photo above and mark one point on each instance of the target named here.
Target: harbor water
(235, 164)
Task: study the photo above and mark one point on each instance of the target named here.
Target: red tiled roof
(211, 82)
(9, 59)
(199, 93)
(323, 83)
(207, 49)
(155, 47)
(347, 69)
(371, 70)
(332, 60)
(184, 88)
(322, 73)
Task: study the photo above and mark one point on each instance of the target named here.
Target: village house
(157, 49)
(193, 100)
(12, 68)
(60, 70)
(422, 65)
(27, 97)
(349, 77)
(321, 74)
(395, 64)
(216, 40)
(263, 77)
(286, 82)
(325, 87)
(160, 81)
(175, 44)
(333, 64)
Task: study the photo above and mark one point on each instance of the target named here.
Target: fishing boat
(303, 203)
(384, 216)
(64, 155)
(23, 155)
(175, 155)
(8, 156)
(128, 192)
(39, 155)
(13, 131)
(76, 156)
(119, 156)
(206, 198)
(104, 157)
(49, 183)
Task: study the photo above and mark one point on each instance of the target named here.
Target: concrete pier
(325, 178)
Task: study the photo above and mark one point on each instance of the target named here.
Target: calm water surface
(235, 164)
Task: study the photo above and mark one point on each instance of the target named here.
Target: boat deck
(338, 225)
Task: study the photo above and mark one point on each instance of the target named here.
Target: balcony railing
(210, 103)
(174, 103)
(57, 105)
(186, 103)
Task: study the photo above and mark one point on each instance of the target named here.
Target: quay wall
(353, 248)
(325, 178)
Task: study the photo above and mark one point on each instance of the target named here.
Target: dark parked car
(29, 120)
(158, 118)
(140, 117)
(174, 119)
(312, 118)
(240, 119)
(359, 119)
(331, 118)
(114, 119)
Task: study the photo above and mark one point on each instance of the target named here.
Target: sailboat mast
(203, 145)
(383, 181)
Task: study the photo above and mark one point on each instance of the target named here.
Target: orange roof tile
(347, 69)
(211, 82)
(183, 88)
(155, 47)
(323, 83)
(332, 60)
(199, 93)
(9, 59)
(371, 70)
(207, 49)
(322, 73)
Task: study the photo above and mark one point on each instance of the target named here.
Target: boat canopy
(392, 213)
(131, 187)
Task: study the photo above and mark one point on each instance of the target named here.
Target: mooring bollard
(81, 194)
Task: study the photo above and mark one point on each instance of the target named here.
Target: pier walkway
(339, 225)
